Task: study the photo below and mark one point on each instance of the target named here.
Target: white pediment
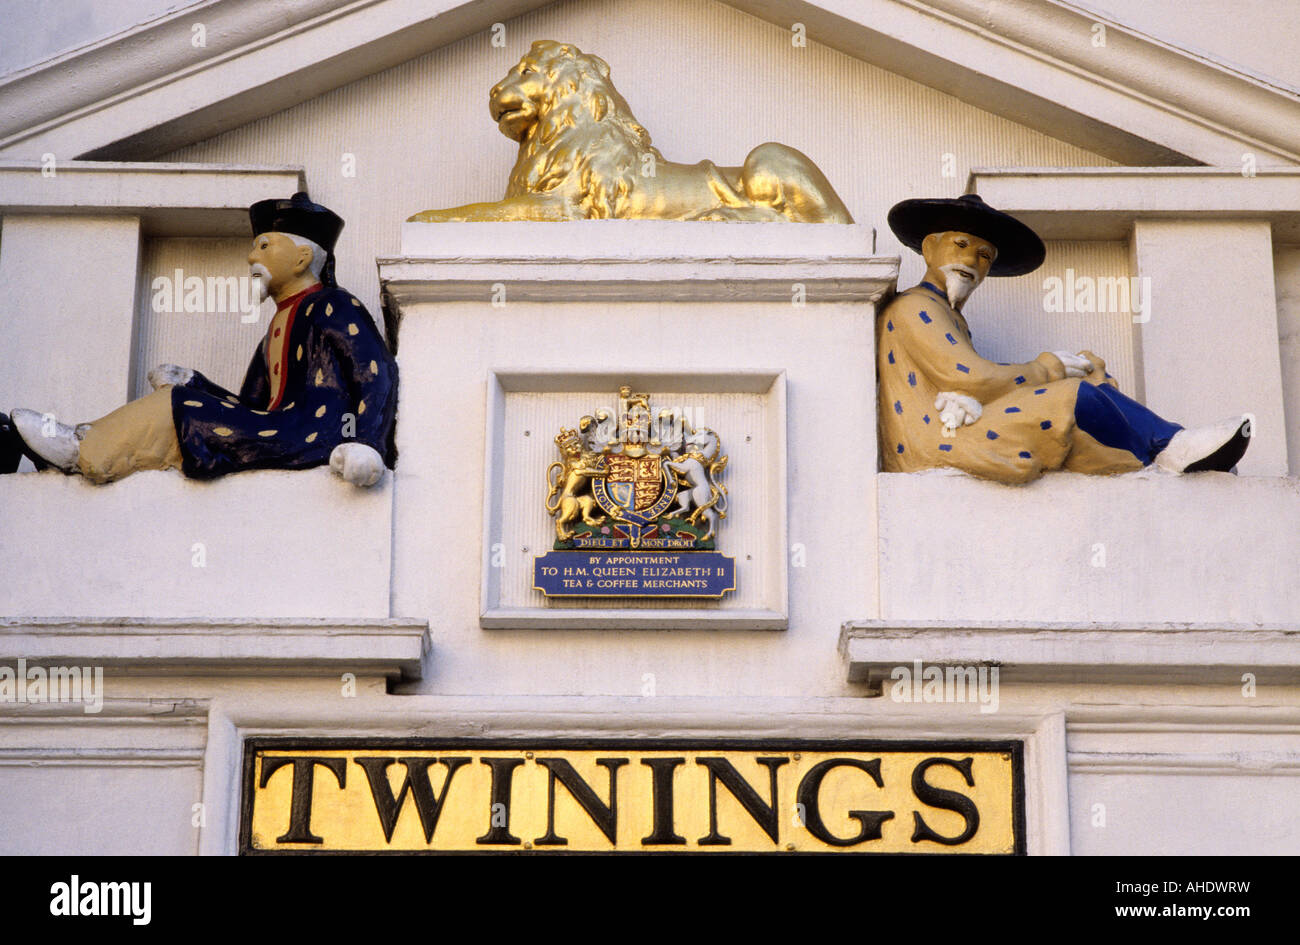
(1135, 100)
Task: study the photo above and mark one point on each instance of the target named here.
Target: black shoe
(1213, 448)
(13, 448)
(1226, 457)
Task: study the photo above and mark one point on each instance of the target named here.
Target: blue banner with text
(634, 574)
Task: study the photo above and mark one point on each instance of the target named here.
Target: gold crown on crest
(567, 438)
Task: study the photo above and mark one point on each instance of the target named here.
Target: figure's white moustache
(261, 282)
(961, 282)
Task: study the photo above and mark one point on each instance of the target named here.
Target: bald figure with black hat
(941, 404)
(321, 387)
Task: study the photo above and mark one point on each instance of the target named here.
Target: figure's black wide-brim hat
(298, 216)
(1019, 248)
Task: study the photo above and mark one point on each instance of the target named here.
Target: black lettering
(944, 799)
(304, 778)
(416, 782)
(809, 798)
(662, 786)
(765, 815)
(604, 816)
(503, 775)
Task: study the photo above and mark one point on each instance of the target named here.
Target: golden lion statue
(583, 156)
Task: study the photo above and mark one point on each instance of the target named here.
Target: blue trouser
(1120, 422)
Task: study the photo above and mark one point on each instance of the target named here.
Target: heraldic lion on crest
(582, 155)
(566, 479)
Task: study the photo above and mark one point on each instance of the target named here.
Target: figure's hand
(165, 374)
(957, 410)
(1099, 375)
(1076, 365)
(357, 463)
(1098, 365)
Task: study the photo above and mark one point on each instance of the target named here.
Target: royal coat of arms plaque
(638, 501)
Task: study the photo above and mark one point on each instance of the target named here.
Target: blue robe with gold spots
(341, 386)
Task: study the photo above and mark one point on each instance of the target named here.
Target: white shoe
(61, 448)
(1213, 448)
(358, 463)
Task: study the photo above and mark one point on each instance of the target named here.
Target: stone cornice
(1076, 653)
(636, 260)
(1137, 100)
(247, 647)
(169, 199)
(1102, 203)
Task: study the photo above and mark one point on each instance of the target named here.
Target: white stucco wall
(421, 137)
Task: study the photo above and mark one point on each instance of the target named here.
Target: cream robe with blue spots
(923, 346)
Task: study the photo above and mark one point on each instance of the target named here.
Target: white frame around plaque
(773, 612)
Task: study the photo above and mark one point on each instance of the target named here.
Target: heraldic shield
(633, 482)
(637, 489)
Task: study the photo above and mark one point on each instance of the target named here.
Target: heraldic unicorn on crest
(631, 467)
(701, 494)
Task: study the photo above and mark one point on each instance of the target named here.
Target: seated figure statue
(941, 404)
(321, 387)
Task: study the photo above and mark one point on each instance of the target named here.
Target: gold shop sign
(646, 797)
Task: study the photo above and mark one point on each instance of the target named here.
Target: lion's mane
(584, 128)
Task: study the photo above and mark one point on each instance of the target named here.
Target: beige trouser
(139, 435)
